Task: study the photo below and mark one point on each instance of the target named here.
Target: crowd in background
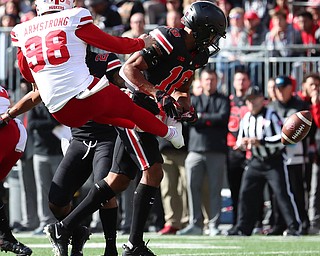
(189, 200)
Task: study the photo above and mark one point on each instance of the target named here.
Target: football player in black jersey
(163, 73)
(168, 66)
(90, 151)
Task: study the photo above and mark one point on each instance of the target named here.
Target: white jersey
(4, 100)
(55, 55)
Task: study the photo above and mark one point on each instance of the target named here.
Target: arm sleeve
(24, 67)
(240, 134)
(94, 36)
(272, 138)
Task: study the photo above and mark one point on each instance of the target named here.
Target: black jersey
(99, 64)
(177, 64)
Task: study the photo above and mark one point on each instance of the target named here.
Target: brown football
(296, 127)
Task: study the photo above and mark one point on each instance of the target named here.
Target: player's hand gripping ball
(296, 127)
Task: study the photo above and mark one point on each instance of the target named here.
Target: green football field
(196, 245)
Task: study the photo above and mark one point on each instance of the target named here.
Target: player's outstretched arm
(26, 103)
(94, 36)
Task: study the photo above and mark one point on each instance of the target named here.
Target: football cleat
(175, 135)
(141, 250)
(59, 238)
(16, 247)
(80, 236)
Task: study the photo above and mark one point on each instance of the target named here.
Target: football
(296, 127)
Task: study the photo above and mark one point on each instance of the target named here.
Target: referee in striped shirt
(260, 133)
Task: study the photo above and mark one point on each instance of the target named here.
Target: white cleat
(175, 135)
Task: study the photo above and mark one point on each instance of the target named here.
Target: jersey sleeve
(24, 67)
(94, 36)
(80, 17)
(114, 62)
(162, 36)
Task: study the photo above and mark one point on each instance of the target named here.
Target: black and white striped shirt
(266, 127)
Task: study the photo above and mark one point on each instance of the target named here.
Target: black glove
(146, 102)
(2, 123)
(167, 103)
(190, 116)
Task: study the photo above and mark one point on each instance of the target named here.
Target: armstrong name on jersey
(57, 22)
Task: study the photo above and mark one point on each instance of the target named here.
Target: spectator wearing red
(307, 29)
(281, 5)
(256, 30)
(314, 9)
(310, 94)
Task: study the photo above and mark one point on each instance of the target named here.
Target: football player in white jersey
(51, 54)
(13, 138)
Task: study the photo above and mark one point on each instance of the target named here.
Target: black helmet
(207, 22)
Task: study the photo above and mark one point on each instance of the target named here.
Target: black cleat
(291, 232)
(80, 236)
(59, 238)
(276, 231)
(141, 250)
(235, 232)
(16, 247)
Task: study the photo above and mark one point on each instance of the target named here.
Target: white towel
(21, 145)
(65, 143)
(104, 82)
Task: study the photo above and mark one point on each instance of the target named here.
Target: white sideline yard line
(193, 246)
(154, 245)
(245, 253)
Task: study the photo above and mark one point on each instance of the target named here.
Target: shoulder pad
(161, 35)
(14, 35)
(80, 16)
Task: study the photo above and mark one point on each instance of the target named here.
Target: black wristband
(8, 113)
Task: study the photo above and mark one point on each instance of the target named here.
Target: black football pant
(256, 175)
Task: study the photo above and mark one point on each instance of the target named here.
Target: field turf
(195, 245)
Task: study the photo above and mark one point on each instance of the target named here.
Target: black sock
(143, 200)
(5, 230)
(109, 223)
(98, 195)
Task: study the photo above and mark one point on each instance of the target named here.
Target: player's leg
(279, 182)
(102, 161)
(8, 242)
(102, 191)
(73, 171)
(99, 194)
(143, 200)
(70, 175)
(9, 137)
(143, 149)
(105, 189)
(109, 106)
